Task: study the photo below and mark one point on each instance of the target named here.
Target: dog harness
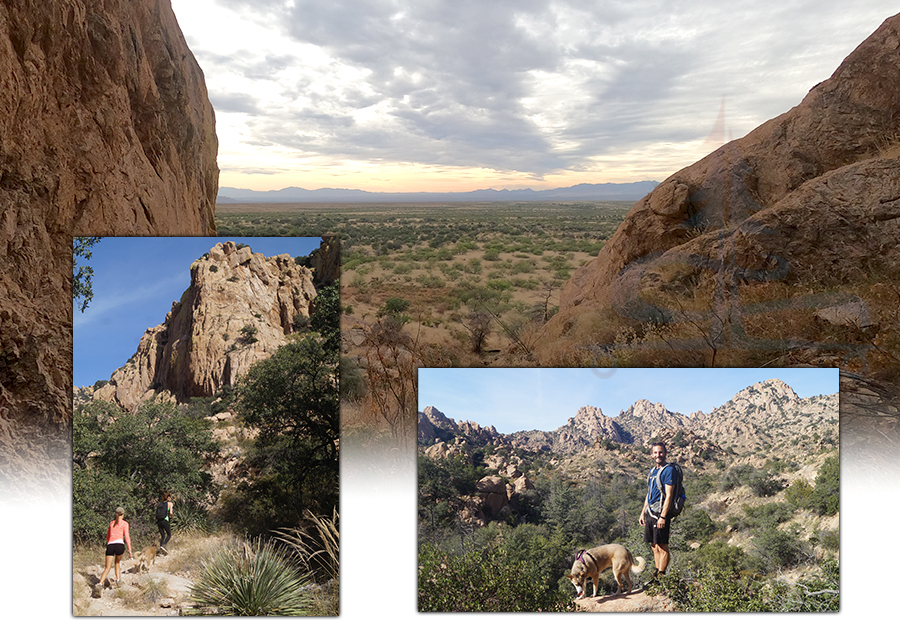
(584, 553)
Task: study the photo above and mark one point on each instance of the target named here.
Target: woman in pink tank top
(117, 538)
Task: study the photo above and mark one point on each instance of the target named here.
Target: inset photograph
(628, 490)
(205, 474)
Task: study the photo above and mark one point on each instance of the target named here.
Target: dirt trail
(638, 601)
(162, 591)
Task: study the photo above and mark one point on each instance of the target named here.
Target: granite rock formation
(105, 129)
(811, 196)
(239, 309)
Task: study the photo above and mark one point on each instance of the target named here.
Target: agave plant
(319, 547)
(251, 579)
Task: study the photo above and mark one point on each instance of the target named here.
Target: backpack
(162, 510)
(678, 495)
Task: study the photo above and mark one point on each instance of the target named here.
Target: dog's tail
(637, 568)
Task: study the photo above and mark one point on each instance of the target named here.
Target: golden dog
(590, 563)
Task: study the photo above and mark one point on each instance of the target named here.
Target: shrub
(827, 488)
(484, 580)
(248, 334)
(251, 579)
(774, 549)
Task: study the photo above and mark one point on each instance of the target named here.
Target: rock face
(812, 195)
(105, 129)
(239, 309)
(105, 124)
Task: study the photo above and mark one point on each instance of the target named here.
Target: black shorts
(115, 549)
(653, 534)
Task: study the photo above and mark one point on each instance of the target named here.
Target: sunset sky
(431, 95)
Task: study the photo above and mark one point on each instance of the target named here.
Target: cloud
(533, 86)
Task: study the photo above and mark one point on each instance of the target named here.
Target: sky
(513, 400)
(135, 282)
(440, 95)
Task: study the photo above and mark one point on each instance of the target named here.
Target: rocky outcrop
(239, 309)
(435, 424)
(769, 413)
(811, 196)
(644, 418)
(105, 129)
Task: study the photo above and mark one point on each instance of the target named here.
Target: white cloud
(541, 88)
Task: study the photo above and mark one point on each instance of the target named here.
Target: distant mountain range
(764, 415)
(626, 192)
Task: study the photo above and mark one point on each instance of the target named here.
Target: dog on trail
(590, 563)
(147, 557)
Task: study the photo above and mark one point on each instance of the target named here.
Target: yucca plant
(251, 579)
(318, 547)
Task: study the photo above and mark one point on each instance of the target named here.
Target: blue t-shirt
(665, 477)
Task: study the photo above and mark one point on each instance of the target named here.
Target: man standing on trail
(656, 526)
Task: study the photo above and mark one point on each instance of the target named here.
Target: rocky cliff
(766, 414)
(105, 128)
(239, 309)
(810, 198)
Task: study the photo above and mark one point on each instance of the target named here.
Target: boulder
(811, 196)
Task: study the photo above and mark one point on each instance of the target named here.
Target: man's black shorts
(654, 535)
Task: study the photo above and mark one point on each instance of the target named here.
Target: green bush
(126, 459)
(484, 580)
(827, 488)
(251, 579)
(774, 549)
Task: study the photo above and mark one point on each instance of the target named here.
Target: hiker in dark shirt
(656, 526)
(164, 511)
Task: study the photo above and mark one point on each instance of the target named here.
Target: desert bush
(774, 549)
(696, 524)
(827, 487)
(317, 544)
(251, 579)
(711, 590)
(248, 334)
(485, 580)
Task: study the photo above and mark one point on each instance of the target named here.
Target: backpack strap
(659, 487)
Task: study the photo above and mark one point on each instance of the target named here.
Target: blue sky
(457, 95)
(135, 281)
(524, 399)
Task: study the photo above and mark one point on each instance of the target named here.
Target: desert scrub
(251, 579)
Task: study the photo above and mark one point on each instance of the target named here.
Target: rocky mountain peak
(591, 421)
(239, 309)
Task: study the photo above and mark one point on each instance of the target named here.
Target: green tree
(827, 487)
(325, 316)
(126, 459)
(82, 275)
(293, 399)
